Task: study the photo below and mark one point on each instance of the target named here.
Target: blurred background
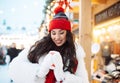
(20, 21)
(19, 26)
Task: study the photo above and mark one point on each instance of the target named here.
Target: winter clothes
(21, 70)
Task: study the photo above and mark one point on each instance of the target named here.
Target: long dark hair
(67, 51)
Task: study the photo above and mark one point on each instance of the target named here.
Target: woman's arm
(81, 71)
(80, 75)
(23, 71)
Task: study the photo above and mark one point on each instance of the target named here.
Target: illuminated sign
(109, 13)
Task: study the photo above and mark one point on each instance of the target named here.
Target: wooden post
(85, 31)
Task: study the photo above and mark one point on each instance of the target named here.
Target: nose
(57, 37)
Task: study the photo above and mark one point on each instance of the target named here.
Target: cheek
(52, 37)
(64, 38)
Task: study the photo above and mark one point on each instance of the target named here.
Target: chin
(59, 45)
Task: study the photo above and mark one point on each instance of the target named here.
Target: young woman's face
(58, 36)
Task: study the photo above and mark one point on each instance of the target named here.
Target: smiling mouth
(58, 42)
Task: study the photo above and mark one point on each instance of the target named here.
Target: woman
(53, 59)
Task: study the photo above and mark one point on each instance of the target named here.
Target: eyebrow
(58, 31)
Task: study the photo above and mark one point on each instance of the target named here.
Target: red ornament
(64, 2)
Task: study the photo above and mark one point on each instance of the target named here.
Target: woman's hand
(45, 66)
(52, 60)
(57, 65)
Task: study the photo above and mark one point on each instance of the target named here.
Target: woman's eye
(61, 32)
(53, 33)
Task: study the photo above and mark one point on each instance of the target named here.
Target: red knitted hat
(60, 20)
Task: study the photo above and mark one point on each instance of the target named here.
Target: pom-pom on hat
(60, 20)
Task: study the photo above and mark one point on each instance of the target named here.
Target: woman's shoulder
(24, 52)
(22, 56)
(79, 50)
